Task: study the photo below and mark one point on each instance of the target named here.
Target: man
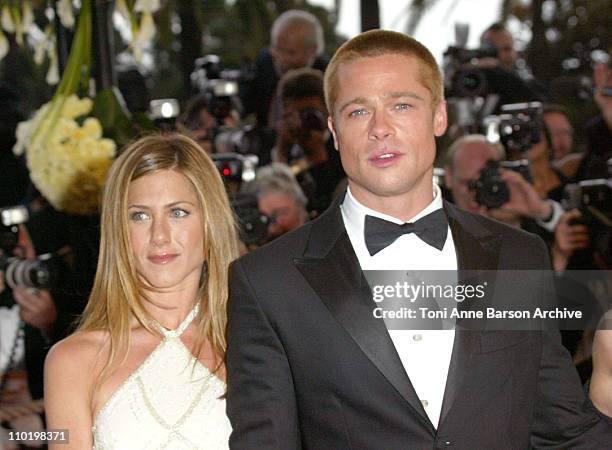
(303, 140)
(279, 197)
(296, 41)
(308, 364)
(561, 131)
(467, 156)
(501, 72)
(498, 36)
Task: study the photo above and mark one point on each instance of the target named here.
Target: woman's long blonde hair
(116, 297)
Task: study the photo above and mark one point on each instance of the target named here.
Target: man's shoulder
(492, 226)
(281, 250)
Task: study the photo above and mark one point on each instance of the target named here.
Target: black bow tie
(380, 233)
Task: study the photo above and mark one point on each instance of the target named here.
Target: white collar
(354, 212)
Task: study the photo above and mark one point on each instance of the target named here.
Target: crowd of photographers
(511, 157)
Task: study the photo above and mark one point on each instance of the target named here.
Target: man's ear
(440, 119)
(332, 128)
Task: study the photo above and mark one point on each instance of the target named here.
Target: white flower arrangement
(66, 154)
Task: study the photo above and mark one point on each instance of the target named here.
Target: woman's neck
(170, 309)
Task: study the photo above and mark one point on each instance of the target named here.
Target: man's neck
(402, 206)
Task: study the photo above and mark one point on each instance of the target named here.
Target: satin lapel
(477, 250)
(332, 269)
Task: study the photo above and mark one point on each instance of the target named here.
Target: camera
(594, 200)
(253, 223)
(462, 81)
(517, 129)
(490, 189)
(220, 86)
(40, 273)
(592, 197)
(235, 167)
(247, 140)
(163, 112)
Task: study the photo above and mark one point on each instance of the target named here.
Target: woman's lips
(162, 259)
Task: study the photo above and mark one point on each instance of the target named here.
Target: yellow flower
(70, 163)
(75, 107)
(93, 127)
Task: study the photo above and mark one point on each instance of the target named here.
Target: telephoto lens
(40, 273)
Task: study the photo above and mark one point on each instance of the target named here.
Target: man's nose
(380, 128)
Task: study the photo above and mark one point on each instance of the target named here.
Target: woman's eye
(178, 212)
(139, 216)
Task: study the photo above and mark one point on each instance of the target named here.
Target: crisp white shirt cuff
(557, 212)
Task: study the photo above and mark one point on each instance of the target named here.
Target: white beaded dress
(167, 403)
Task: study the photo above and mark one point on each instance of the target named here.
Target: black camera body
(40, 273)
(220, 86)
(594, 200)
(253, 223)
(235, 167)
(247, 140)
(490, 189)
(462, 81)
(592, 197)
(518, 128)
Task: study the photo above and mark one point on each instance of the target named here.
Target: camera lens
(39, 273)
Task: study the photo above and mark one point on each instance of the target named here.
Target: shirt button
(417, 337)
(425, 403)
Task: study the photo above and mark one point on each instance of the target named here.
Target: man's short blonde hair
(378, 43)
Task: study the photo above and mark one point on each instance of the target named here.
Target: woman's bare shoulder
(77, 350)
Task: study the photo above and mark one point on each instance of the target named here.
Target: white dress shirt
(425, 354)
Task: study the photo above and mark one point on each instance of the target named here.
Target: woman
(128, 377)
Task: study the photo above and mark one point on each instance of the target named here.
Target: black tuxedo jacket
(309, 367)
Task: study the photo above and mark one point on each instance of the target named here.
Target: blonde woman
(145, 368)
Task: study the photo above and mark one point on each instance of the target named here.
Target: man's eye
(178, 212)
(403, 106)
(358, 112)
(139, 216)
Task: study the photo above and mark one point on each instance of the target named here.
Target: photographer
(199, 123)
(470, 176)
(599, 129)
(556, 120)
(296, 41)
(502, 74)
(37, 308)
(303, 141)
(279, 197)
(467, 157)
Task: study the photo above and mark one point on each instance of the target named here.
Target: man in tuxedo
(310, 367)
